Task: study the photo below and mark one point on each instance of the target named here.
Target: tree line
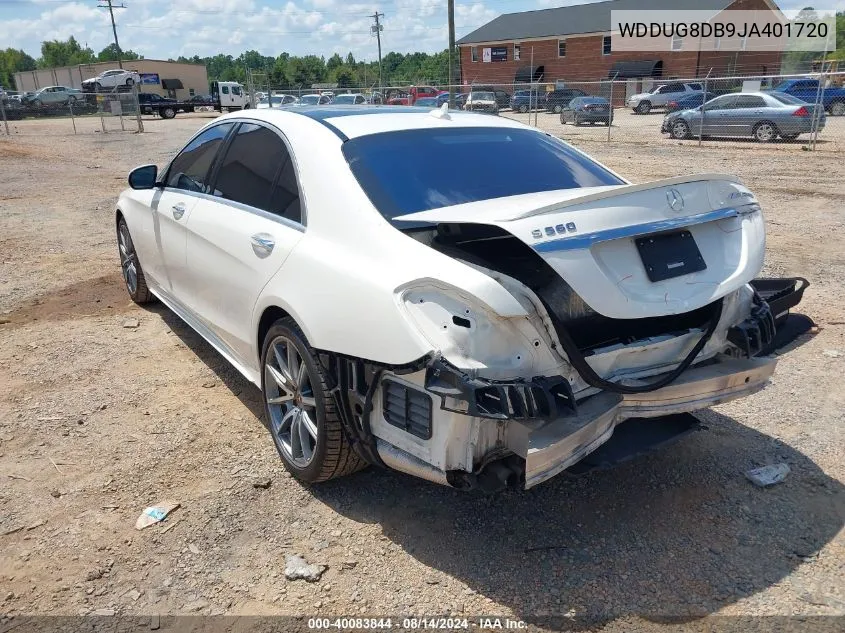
(284, 71)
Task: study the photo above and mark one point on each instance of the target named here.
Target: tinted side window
(285, 199)
(189, 170)
(250, 166)
(721, 103)
(748, 101)
(674, 88)
(225, 90)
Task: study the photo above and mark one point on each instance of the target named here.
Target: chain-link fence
(58, 110)
(805, 110)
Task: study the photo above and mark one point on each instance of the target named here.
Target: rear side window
(189, 170)
(749, 101)
(249, 168)
(449, 167)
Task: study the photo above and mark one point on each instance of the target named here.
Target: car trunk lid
(634, 251)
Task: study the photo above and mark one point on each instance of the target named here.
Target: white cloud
(161, 29)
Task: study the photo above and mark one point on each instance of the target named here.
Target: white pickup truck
(661, 95)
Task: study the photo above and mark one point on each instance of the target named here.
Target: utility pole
(111, 9)
(377, 28)
(451, 9)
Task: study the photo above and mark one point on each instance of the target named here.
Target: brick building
(574, 44)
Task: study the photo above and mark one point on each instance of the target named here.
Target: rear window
(785, 98)
(417, 170)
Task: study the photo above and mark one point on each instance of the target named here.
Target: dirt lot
(98, 421)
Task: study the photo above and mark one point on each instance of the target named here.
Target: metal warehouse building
(162, 77)
(574, 43)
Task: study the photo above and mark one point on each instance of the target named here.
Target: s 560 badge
(551, 231)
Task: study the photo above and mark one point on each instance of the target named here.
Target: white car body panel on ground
(361, 288)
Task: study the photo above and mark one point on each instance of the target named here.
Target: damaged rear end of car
(636, 301)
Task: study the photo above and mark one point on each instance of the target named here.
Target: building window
(516, 52)
(191, 92)
(605, 45)
(561, 48)
(677, 43)
(474, 53)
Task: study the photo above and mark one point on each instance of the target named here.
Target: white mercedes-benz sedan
(453, 295)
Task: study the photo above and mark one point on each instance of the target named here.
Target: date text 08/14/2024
(417, 623)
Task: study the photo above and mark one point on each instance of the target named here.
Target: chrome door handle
(262, 244)
(178, 210)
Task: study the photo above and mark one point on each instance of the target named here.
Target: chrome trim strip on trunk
(578, 242)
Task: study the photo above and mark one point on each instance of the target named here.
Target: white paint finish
(226, 276)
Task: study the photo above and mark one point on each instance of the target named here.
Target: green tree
(13, 61)
(344, 77)
(304, 71)
(109, 54)
(335, 61)
(68, 53)
(350, 60)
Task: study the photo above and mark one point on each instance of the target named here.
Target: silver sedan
(763, 116)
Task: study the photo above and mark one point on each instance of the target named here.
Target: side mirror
(143, 177)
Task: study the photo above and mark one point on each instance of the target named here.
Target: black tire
(97, 87)
(333, 455)
(37, 103)
(557, 108)
(789, 137)
(679, 130)
(765, 132)
(562, 119)
(644, 107)
(523, 108)
(578, 122)
(167, 113)
(140, 293)
(837, 108)
(130, 82)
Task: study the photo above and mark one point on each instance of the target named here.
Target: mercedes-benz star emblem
(675, 200)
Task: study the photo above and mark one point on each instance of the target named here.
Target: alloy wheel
(128, 259)
(765, 132)
(680, 129)
(292, 406)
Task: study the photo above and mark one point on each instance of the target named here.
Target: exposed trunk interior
(495, 248)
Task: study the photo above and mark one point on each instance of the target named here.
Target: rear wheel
(523, 108)
(680, 130)
(133, 274)
(765, 132)
(167, 113)
(304, 422)
(837, 108)
(643, 108)
(557, 108)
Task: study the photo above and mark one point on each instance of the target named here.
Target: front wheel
(765, 132)
(130, 82)
(304, 421)
(643, 108)
(680, 130)
(133, 274)
(97, 87)
(837, 108)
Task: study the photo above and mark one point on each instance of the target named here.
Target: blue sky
(162, 28)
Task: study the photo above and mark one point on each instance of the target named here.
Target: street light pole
(451, 9)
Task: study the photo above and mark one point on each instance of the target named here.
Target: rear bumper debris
(550, 447)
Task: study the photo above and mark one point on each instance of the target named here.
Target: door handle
(178, 210)
(262, 244)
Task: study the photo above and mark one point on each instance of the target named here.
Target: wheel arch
(269, 316)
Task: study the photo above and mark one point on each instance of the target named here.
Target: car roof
(353, 121)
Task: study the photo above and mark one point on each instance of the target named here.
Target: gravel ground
(98, 421)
